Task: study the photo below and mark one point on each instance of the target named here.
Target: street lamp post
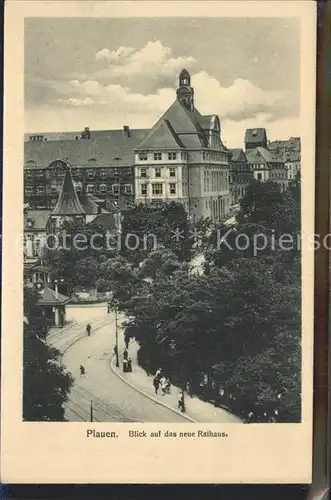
(116, 333)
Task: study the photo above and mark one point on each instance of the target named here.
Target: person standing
(125, 354)
(82, 370)
(156, 383)
(88, 329)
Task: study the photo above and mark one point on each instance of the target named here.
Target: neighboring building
(267, 167)
(101, 163)
(240, 174)
(290, 152)
(38, 224)
(52, 304)
(183, 159)
(255, 137)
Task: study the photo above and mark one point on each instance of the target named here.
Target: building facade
(183, 159)
(240, 174)
(101, 165)
(267, 167)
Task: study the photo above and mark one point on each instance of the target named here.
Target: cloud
(147, 68)
(241, 101)
(114, 55)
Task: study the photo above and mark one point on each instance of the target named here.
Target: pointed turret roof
(68, 202)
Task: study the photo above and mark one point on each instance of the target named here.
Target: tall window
(103, 188)
(40, 189)
(172, 172)
(90, 173)
(157, 188)
(143, 189)
(142, 156)
(172, 156)
(172, 188)
(116, 188)
(103, 173)
(259, 177)
(157, 156)
(143, 172)
(128, 188)
(157, 172)
(90, 188)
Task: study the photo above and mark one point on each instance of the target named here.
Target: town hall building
(183, 159)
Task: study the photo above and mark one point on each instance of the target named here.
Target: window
(40, 173)
(29, 190)
(103, 173)
(128, 188)
(143, 189)
(90, 173)
(172, 188)
(40, 189)
(143, 172)
(157, 156)
(103, 188)
(60, 171)
(157, 172)
(157, 188)
(76, 172)
(172, 156)
(53, 190)
(90, 188)
(172, 172)
(143, 156)
(259, 177)
(29, 174)
(116, 188)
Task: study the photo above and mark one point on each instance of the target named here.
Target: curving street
(112, 399)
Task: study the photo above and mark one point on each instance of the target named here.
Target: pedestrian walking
(108, 308)
(82, 370)
(125, 365)
(125, 354)
(88, 329)
(115, 350)
(126, 340)
(158, 373)
(129, 365)
(164, 385)
(181, 404)
(156, 383)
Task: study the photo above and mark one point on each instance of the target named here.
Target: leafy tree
(46, 383)
(157, 228)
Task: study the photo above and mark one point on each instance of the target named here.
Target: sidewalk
(196, 410)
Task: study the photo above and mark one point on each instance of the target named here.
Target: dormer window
(143, 156)
(172, 156)
(157, 156)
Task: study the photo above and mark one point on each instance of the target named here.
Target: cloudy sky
(106, 73)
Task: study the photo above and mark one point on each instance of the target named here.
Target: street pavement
(112, 394)
(112, 399)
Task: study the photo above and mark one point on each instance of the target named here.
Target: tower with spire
(185, 93)
(68, 206)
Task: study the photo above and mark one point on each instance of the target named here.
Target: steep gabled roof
(89, 206)
(105, 220)
(68, 202)
(163, 136)
(237, 154)
(184, 124)
(255, 135)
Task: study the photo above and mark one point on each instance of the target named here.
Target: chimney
(126, 131)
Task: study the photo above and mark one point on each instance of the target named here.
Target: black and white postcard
(158, 242)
